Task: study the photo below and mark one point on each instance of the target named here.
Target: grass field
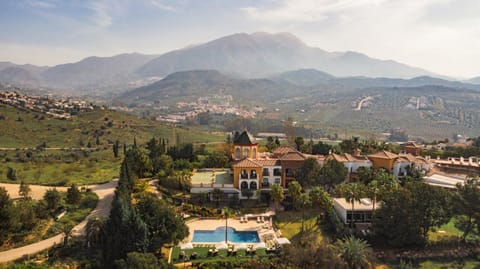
(95, 162)
(290, 223)
(446, 231)
(61, 168)
(21, 129)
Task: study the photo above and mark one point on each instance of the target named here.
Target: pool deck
(263, 229)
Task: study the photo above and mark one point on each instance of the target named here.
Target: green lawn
(203, 254)
(61, 168)
(446, 231)
(290, 223)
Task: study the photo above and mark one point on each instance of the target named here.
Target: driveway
(105, 194)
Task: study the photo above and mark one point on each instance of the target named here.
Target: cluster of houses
(60, 109)
(217, 104)
(256, 170)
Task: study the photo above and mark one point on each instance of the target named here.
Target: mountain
(18, 75)
(263, 54)
(197, 83)
(475, 80)
(96, 71)
(313, 77)
(304, 77)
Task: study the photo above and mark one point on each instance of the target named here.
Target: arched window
(244, 185)
(244, 174)
(237, 153)
(253, 185)
(246, 152)
(254, 153)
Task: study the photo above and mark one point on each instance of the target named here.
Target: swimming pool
(219, 235)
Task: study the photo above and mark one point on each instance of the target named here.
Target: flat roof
(445, 181)
(364, 205)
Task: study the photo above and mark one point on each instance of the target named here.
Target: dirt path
(37, 191)
(105, 194)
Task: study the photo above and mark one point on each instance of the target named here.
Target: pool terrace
(212, 178)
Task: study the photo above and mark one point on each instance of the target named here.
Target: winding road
(105, 194)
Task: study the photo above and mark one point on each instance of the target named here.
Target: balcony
(265, 185)
(243, 176)
(277, 172)
(253, 176)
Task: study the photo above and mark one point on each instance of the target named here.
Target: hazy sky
(442, 36)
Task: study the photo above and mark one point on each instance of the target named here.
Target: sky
(442, 36)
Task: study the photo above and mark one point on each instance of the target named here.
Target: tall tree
(6, 213)
(217, 194)
(95, 231)
(331, 174)
(467, 206)
(73, 195)
(164, 226)
(24, 190)
(294, 191)
(276, 194)
(407, 214)
(320, 199)
(53, 198)
(309, 173)
(299, 142)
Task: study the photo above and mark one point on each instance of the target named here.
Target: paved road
(105, 194)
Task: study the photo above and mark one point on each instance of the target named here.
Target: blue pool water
(219, 235)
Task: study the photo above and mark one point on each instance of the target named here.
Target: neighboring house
(398, 164)
(362, 212)
(383, 159)
(412, 148)
(352, 163)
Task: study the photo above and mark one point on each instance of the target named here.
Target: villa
(361, 213)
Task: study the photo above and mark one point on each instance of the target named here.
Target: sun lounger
(258, 220)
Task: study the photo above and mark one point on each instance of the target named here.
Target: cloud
(298, 11)
(42, 4)
(166, 4)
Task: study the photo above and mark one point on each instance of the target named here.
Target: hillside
(95, 71)
(193, 84)
(22, 129)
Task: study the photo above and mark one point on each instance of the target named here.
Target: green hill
(72, 154)
(22, 129)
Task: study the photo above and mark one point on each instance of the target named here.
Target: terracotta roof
(293, 156)
(283, 150)
(268, 162)
(348, 158)
(411, 144)
(245, 138)
(338, 158)
(247, 163)
(383, 155)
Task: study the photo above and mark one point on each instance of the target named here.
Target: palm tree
(66, 227)
(95, 231)
(352, 192)
(303, 201)
(372, 191)
(276, 193)
(355, 252)
(217, 194)
(226, 213)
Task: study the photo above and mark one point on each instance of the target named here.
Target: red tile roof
(293, 156)
(247, 163)
(383, 155)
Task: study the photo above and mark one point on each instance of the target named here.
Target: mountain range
(245, 56)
